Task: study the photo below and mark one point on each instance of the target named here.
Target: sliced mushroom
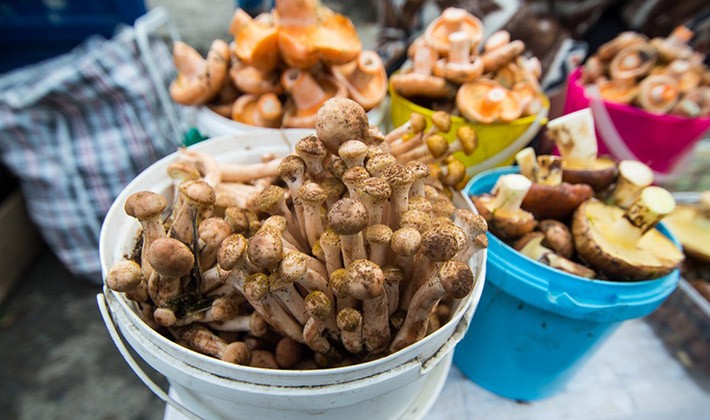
(623, 244)
(365, 78)
(198, 80)
(486, 101)
(633, 177)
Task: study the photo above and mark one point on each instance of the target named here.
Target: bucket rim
(522, 121)
(623, 284)
(574, 81)
(412, 352)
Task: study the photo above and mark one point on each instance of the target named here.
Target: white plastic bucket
(211, 124)
(401, 385)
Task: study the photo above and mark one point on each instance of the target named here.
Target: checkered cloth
(76, 130)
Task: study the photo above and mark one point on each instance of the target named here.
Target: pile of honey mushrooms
(454, 70)
(333, 255)
(281, 67)
(580, 213)
(660, 75)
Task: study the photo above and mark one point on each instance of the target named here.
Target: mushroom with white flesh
(453, 278)
(350, 325)
(289, 297)
(577, 142)
(633, 177)
(366, 283)
(459, 67)
(171, 260)
(340, 120)
(691, 225)
(365, 78)
(211, 232)
(256, 290)
(313, 153)
(531, 245)
(198, 80)
(400, 178)
(373, 193)
(308, 94)
(260, 110)
(450, 21)
(253, 324)
(201, 339)
(486, 101)
(378, 238)
(658, 94)
(255, 41)
(623, 244)
(348, 218)
(197, 196)
(419, 81)
(318, 306)
(147, 207)
(502, 211)
(546, 174)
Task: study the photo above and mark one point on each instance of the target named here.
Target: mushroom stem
(575, 138)
(208, 166)
(256, 290)
(248, 172)
(253, 323)
(373, 193)
(400, 179)
(393, 278)
(549, 170)
(527, 161)
(633, 177)
(378, 237)
(510, 191)
(643, 215)
(330, 243)
(306, 92)
(350, 325)
(287, 294)
(496, 57)
(414, 125)
(318, 307)
(313, 152)
(366, 283)
(312, 197)
(201, 339)
(147, 207)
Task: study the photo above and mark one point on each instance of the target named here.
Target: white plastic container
(401, 385)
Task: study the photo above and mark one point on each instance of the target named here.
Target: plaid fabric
(75, 130)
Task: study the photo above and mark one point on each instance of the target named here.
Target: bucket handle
(120, 345)
(613, 140)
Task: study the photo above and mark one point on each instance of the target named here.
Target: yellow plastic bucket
(497, 142)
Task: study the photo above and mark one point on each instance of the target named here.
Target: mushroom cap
(249, 79)
(658, 94)
(441, 242)
(339, 282)
(347, 216)
(257, 44)
(406, 241)
(599, 175)
(349, 319)
(618, 90)
(124, 276)
(312, 192)
(365, 279)
(291, 168)
(692, 230)
(626, 39)
(333, 187)
(456, 278)
(486, 101)
(340, 120)
(412, 85)
(183, 171)
(633, 62)
(354, 176)
(317, 305)
(198, 193)
(265, 248)
(379, 234)
(653, 256)
(336, 40)
(421, 204)
(468, 138)
(365, 78)
(145, 205)
(231, 251)
(398, 175)
(261, 110)
(376, 165)
(565, 196)
(459, 72)
(214, 230)
(170, 257)
(270, 199)
(238, 353)
(199, 80)
(419, 169)
(353, 150)
(557, 237)
(419, 220)
(293, 267)
(310, 146)
(256, 286)
(452, 20)
(336, 166)
(374, 190)
(504, 224)
(288, 352)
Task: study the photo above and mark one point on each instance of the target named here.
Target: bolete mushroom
(531, 245)
(502, 211)
(365, 77)
(623, 244)
(691, 225)
(633, 177)
(577, 143)
(198, 80)
(486, 101)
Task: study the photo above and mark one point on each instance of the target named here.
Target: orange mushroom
(460, 66)
(258, 110)
(495, 58)
(453, 20)
(675, 46)
(658, 94)
(486, 101)
(308, 94)
(419, 82)
(633, 62)
(250, 79)
(256, 42)
(695, 103)
(365, 78)
(621, 91)
(689, 76)
(198, 80)
(624, 40)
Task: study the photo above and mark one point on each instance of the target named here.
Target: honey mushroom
(147, 207)
(366, 283)
(201, 339)
(171, 260)
(350, 325)
(374, 192)
(348, 218)
(197, 196)
(256, 290)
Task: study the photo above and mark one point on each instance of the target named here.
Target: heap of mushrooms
(333, 255)
(281, 67)
(660, 75)
(605, 230)
(456, 70)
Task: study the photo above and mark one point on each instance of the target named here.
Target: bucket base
(429, 386)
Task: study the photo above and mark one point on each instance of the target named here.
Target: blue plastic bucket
(536, 326)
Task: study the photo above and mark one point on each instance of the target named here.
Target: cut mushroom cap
(255, 42)
(487, 101)
(577, 142)
(198, 80)
(453, 20)
(691, 225)
(658, 94)
(502, 212)
(633, 62)
(624, 244)
(365, 78)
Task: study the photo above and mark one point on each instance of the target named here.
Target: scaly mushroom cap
(170, 257)
(633, 62)
(365, 78)
(145, 205)
(486, 101)
(232, 251)
(377, 164)
(124, 276)
(349, 319)
(353, 151)
(456, 278)
(658, 94)
(651, 257)
(317, 305)
(378, 234)
(347, 216)
(365, 279)
(453, 20)
(214, 230)
(441, 242)
(257, 44)
(354, 176)
(406, 241)
(265, 248)
(270, 199)
(292, 168)
(198, 80)
(340, 120)
(374, 190)
(419, 220)
(249, 79)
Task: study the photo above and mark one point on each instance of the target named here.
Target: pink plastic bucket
(663, 142)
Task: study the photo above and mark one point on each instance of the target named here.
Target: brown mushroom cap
(145, 204)
(170, 257)
(231, 251)
(265, 248)
(651, 257)
(340, 120)
(366, 280)
(124, 276)
(566, 198)
(198, 192)
(557, 237)
(309, 93)
(347, 216)
(441, 242)
(456, 278)
(599, 175)
(214, 230)
(412, 85)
